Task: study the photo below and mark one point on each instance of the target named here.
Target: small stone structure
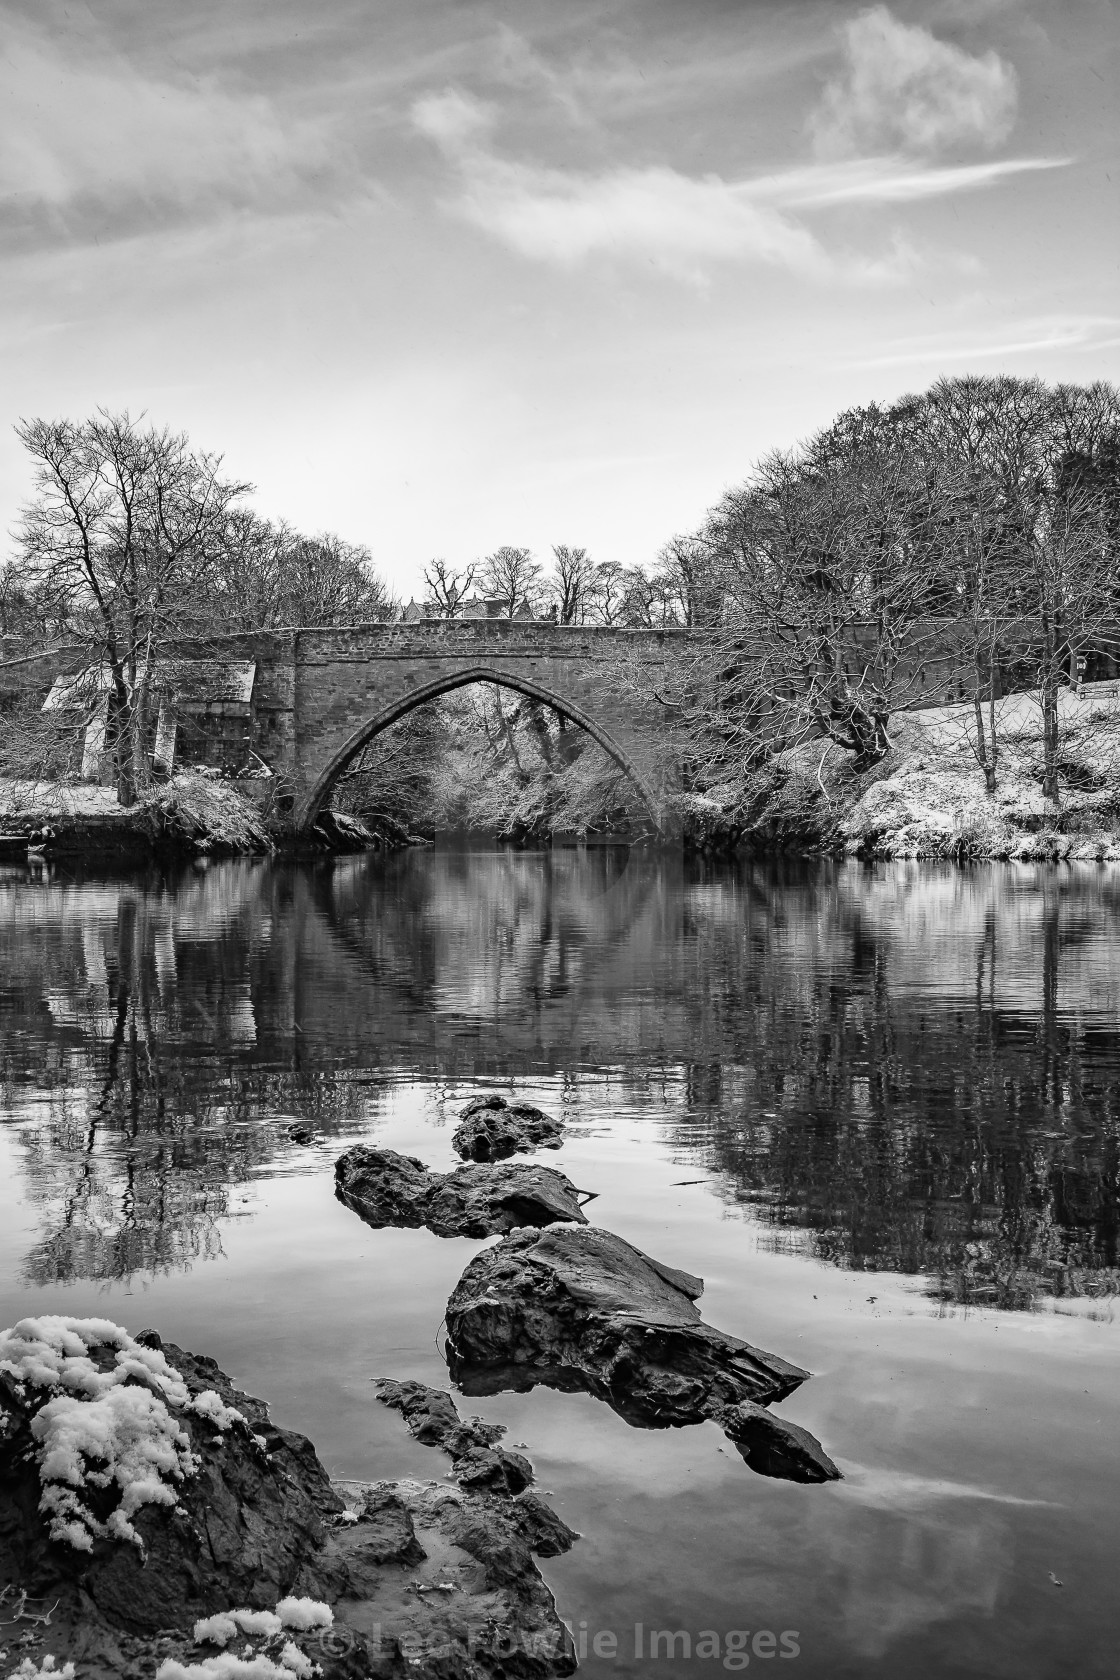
(202, 714)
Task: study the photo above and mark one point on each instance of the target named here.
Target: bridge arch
(308, 808)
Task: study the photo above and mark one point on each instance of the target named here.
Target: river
(877, 1109)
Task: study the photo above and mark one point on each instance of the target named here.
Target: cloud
(98, 141)
(679, 223)
(890, 180)
(650, 214)
(654, 214)
(1022, 338)
(452, 119)
(902, 89)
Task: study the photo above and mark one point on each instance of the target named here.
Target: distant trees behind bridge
(570, 587)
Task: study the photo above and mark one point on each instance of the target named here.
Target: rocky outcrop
(248, 1525)
(490, 1129)
(249, 1539)
(583, 1309)
(385, 1188)
(452, 1588)
(473, 1601)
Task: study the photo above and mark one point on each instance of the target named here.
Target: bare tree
(982, 448)
(268, 576)
(685, 588)
(819, 596)
(119, 539)
(512, 576)
(572, 583)
(1073, 558)
(447, 589)
(1028, 532)
(610, 597)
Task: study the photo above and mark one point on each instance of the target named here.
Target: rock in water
(490, 1129)
(773, 1446)
(479, 1462)
(582, 1309)
(386, 1580)
(385, 1188)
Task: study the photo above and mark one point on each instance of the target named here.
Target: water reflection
(908, 1067)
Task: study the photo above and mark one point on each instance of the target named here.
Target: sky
(440, 275)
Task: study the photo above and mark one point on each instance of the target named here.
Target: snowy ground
(203, 812)
(1019, 716)
(52, 799)
(927, 799)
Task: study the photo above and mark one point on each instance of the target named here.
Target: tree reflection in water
(131, 1059)
(934, 1085)
(907, 1067)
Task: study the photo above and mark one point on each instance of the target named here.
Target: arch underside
(312, 802)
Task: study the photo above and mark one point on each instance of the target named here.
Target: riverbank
(927, 799)
(192, 815)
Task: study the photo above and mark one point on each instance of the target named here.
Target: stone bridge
(321, 695)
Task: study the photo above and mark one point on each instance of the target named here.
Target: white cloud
(679, 223)
(100, 131)
(452, 119)
(902, 89)
(653, 214)
(890, 180)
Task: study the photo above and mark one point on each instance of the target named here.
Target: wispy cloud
(900, 88)
(678, 222)
(1023, 338)
(891, 180)
(652, 214)
(100, 143)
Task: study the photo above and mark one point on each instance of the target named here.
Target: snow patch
(238, 1668)
(293, 1659)
(31, 1670)
(300, 1615)
(104, 1427)
(220, 1629)
(303, 1614)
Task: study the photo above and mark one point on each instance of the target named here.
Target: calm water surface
(877, 1110)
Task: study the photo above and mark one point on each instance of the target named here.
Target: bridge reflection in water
(910, 1067)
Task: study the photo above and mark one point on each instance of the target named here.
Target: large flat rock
(583, 1309)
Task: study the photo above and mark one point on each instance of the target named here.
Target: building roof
(492, 606)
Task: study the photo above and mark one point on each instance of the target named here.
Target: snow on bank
(199, 813)
(292, 1665)
(927, 798)
(301, 1615)
(106, 1425)
(31, 1670)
